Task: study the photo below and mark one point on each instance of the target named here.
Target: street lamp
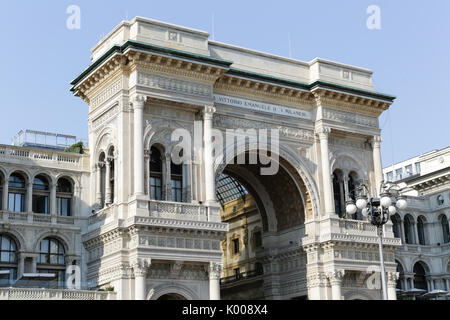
(378, 211)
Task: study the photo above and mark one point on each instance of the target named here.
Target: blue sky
(409, 55)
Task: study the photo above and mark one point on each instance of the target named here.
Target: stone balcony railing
(338, 229)
(35, 218)
(54, 294)
(165, 210)
(55, 159)
(183, 211)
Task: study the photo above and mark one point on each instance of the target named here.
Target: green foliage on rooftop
(76, 148)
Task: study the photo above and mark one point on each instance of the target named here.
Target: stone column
(34, 264)
(53, 209)
(210, 188)
(140, 268)
(98, 197)
(392, 278)
(336, 278)
(377, 164)
(402, 231)
(416, 233)
(138, 106)
(29, 207)
(214, 280)
(326, 174)
(342, 194)
(5, 195)
(108, 194)
(167, 177)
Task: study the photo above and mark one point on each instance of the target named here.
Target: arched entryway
(172, 296)
(266, 216)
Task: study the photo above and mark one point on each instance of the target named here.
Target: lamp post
(378, 211)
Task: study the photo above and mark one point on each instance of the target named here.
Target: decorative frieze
(174, 85)
(153, 241)
(106, 93)
(227, 122)
(105, 117)
(350, 118)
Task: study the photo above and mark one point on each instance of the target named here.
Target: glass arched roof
(229, 189)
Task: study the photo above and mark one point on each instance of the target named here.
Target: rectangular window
(176, 190)
(40, 204)
(63, 207)
(155, 188)
(258, 239)
(398, 174)
(417, 167)
(390, 176)
(409, 170)
(16, 202)
(237, 272)
(236, 245)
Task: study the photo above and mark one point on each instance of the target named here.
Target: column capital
(139, 101)
(140, 266)
(392, 278)
(215, 268)
(318, 96)
(336, 276)
(377, 140)
(323, 132)
(208, 112)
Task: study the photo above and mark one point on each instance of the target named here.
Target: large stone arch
(289, 158)
(171, 288)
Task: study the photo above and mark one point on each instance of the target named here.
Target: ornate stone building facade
(423, 260)
(152, 228)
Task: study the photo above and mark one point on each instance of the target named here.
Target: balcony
(241, 277)
(35, 218)
(54, 294)
(345, 230)
(183, 211)
(48, 158)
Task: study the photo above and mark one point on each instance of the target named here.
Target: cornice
(93, 73)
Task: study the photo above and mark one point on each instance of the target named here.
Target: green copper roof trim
(310, 86)
(151, 48)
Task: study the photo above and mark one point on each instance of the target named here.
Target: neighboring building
(424, 258)
(147, 227)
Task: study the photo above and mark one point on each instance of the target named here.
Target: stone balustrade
(54, 294)
(40, 157)
(35, 218)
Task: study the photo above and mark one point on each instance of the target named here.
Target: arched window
(51, 259)
(16, 193)
(64, 194)
(352, 186)
(409, 232)
(41, 194)
(111, 177)
(440, 200)
(396, 226)
(421, 231)
(156, 174)
(338, 189)
(102, 176)
(420, 281)
(8, 260)
(176, 179)
(445, 229)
